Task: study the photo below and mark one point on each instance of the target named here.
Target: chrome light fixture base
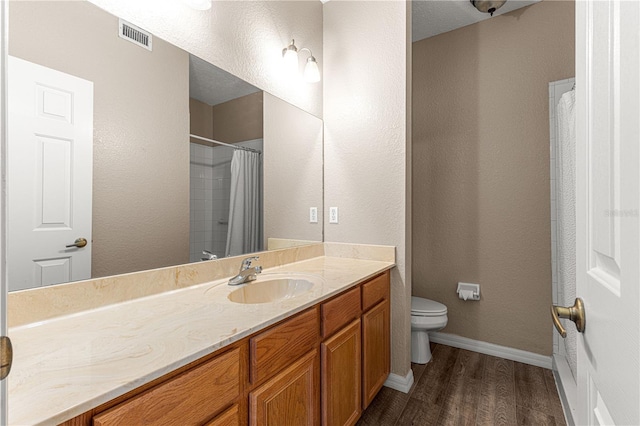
(488, 6)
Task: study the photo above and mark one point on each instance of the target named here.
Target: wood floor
(460, 387)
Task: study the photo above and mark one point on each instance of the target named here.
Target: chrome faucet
(208, 255)
(247, 273)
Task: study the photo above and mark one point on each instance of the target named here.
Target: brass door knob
(80, 242)
(6, 356)
(575, 313)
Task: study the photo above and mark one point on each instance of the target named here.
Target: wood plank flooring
(460, 387)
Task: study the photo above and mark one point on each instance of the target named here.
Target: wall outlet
(313, 215)
(333, 215)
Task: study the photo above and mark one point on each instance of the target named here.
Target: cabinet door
(375, 348)
(290, 398)
(341, 377)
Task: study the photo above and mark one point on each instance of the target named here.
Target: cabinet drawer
(281, 345)
(231, 417)
(190, 398)
(375, 290)
(340, 311)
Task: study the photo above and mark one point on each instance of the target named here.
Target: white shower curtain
(245, 204)
(566, 224)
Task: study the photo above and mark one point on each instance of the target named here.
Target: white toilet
(426, 315)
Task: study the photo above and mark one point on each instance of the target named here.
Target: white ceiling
(213, 86)
(433, 17)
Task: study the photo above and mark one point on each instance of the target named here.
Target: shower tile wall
(210, 183)
(209, 201)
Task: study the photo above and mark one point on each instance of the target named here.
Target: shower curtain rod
(225, 144)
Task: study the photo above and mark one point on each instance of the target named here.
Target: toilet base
(420, 347)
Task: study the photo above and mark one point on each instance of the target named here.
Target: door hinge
(6, 356)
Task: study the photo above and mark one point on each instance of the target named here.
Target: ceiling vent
(135, 35)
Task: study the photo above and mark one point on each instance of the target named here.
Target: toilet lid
(426, 307)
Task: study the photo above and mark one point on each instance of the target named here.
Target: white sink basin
(274, 288)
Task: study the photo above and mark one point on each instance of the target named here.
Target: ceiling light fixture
(488, 6)
(290, 58)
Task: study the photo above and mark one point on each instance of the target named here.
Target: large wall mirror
(103, 175)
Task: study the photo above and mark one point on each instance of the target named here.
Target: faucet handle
(246, 263)
(208, 255)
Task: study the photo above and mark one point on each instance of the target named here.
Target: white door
(49, 175)
(607, 206)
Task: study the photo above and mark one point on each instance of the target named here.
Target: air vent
(135, 35)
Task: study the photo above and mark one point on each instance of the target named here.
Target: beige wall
(245, 38)
(238, 120)
(294, 185)
(141, 124)
(481, 210)
(200, 119)
(366, 113)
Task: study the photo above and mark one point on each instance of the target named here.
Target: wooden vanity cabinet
(322, 365)
(376, 337)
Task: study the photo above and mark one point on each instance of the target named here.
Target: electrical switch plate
(333, 215)
(313, 215)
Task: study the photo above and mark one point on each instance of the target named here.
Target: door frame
(4, 27)
(565, 381)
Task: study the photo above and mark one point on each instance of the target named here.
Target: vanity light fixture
(290, 58)
(198, 4)
(488, 6)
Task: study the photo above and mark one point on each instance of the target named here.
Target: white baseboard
(492, 349)
(567, 388)
(400, 383)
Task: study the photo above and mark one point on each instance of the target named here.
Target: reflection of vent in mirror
(134, 34)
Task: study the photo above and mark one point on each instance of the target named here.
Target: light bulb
(311, 71)
(290, 59)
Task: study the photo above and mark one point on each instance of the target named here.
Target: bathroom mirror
(147, 194)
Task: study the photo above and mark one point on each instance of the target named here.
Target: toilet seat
(426, 308)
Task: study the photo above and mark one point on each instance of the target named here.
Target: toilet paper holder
(467, 291)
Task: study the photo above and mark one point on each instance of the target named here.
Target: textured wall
(366, 113)
(245, 38)
(141, 151)
(293, 185)
(481, 171)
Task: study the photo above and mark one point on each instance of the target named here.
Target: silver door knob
(80, 242)
(574, 313)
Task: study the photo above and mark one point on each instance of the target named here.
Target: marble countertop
(68, 365)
